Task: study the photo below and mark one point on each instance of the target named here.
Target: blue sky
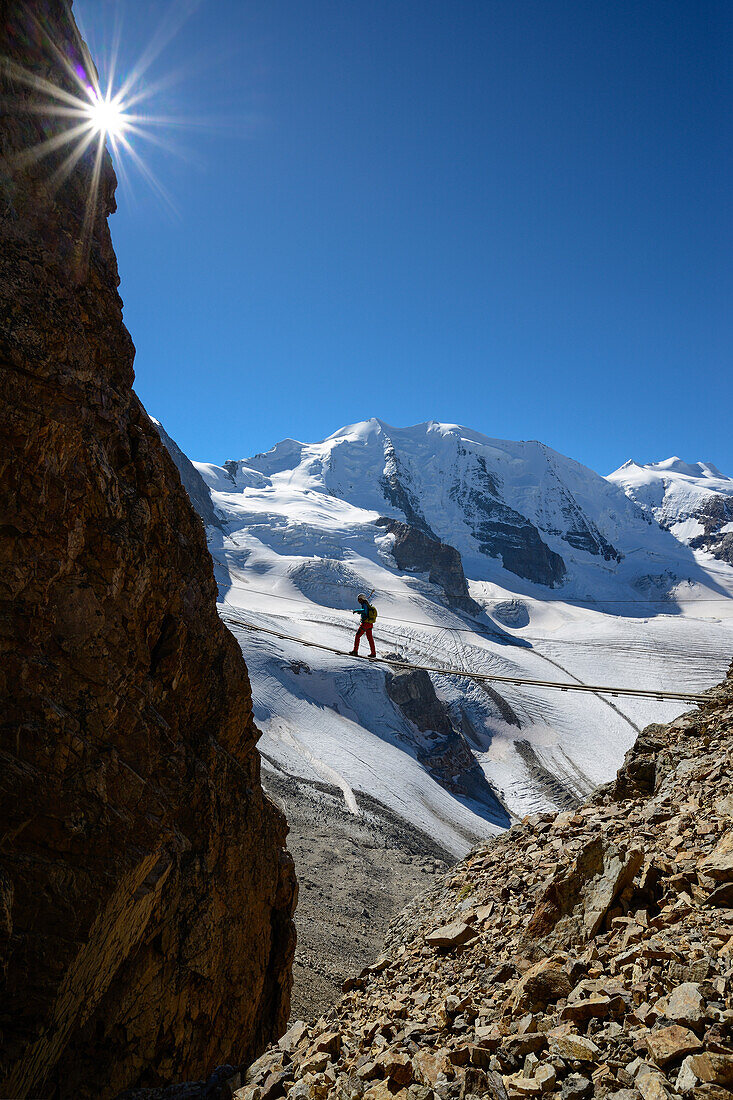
(512, 214)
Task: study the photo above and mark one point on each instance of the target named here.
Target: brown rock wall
(145, 893)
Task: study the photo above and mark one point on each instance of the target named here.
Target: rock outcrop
(416, 552)
(145, 892)
(500, 530)
(715, 517)
(395, 484)
(438, 744)
(583, 954)
(191, 479)
(503, 532)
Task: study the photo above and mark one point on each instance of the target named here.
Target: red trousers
(365, 628)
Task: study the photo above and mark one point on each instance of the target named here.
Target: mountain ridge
(455, 530)
(511, 528)
(291, 556)
(692, 500)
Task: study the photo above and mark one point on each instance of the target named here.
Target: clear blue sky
(512, 214)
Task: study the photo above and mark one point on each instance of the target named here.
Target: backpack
(371, 614)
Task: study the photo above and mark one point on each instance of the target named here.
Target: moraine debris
(595, 958)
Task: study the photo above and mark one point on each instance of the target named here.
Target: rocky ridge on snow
(716, 519)
(414, 551)
(583, 954)
(191, 479)
(146, 895)
(438, 743)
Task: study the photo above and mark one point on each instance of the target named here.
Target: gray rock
(191, 479)
(415, 551)
(719, 864)
(685, 1005)
(721, 897)
(576, 1087)
(451, 935)
(687, 1079)
(443, 748)
(576, 904)
(289, 1041)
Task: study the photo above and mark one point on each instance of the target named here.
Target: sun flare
(87, 117)
(107, 115)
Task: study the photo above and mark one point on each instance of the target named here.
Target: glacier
(568, 576)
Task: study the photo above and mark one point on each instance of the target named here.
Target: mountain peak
(697, 471)
(677, 465)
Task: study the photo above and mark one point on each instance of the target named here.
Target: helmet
(361, 597)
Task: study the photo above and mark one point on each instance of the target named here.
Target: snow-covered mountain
(692, 500)
(484, 555)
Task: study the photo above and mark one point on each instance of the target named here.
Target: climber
(368, 618)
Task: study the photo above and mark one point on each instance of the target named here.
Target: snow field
(301, 542)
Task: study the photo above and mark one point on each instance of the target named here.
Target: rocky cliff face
(716, 517)
(416, 552)
(145, 892)
(191, 479)
(583, 954)
(438, 744)
(500, 530)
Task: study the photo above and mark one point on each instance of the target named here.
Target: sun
(87, 118)
(106, 115)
